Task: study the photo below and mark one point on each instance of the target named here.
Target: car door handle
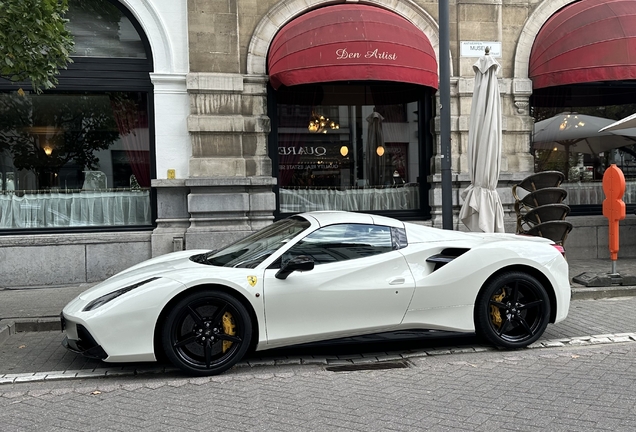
(396, 281)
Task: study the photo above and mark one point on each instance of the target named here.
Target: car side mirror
(299, 263)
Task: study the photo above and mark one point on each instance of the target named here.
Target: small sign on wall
(478, 48)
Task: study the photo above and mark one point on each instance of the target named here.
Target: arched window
(80, 155)
(577, 92)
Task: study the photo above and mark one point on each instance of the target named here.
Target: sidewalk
(624, 266)
(47, 303)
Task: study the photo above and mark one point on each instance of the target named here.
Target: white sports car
(319, 276)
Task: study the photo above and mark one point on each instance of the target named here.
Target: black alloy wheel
(512, 311)
(206, 333)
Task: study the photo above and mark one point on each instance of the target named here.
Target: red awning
(587, 41)
(351, 42)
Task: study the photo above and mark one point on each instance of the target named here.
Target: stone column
(230, 184)
(173, 218)
(227, 191)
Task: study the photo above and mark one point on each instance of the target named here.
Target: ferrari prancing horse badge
(252, 280)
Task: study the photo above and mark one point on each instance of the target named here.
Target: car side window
(343, 242)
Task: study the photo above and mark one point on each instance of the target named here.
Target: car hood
(169, 266)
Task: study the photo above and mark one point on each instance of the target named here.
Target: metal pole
(444, 113)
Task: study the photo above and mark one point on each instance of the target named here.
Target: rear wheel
(206, 333)
(512, 311)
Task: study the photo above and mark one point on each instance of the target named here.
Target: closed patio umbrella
(376, 157)
(482, 209)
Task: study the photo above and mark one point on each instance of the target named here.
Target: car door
(360, 284)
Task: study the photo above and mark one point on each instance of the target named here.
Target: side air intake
(446, 256)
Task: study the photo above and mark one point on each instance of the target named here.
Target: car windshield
(254, 249)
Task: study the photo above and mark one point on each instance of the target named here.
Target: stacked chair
(539, 206)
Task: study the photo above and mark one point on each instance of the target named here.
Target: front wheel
(206, 333)
(512, 311)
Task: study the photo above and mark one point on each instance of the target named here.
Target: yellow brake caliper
(228, 329)
(494, 310)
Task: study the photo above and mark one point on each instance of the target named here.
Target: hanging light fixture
(380, 150)
(576, 123)
(321, 124)
(344, 150)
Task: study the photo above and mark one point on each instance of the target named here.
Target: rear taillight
(559, 248)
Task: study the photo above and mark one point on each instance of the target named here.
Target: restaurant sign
(344, 54)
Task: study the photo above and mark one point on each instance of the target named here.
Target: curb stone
(17, 325)
(7, 328)
(588, 293)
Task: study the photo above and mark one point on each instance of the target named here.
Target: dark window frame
(426, 140)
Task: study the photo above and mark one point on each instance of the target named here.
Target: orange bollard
(613, 207)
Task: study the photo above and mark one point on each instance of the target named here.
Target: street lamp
(444, 113)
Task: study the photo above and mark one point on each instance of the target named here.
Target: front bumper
(80, 341)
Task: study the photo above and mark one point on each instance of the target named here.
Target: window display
(79, 155)
(67, 160)
(356, 149)
(572, 143)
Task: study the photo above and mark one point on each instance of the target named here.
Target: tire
(512, 311)
(206, 333)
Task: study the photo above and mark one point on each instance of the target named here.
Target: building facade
(222, 116)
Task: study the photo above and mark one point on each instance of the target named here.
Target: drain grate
(369, 366)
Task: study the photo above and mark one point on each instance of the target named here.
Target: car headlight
(100, 301)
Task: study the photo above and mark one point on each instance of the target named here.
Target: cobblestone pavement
(39, 356)
(586, 388)
(579, 377)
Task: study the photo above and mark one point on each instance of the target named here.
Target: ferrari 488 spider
(320, 276)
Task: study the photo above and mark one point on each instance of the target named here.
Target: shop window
(74, 160)
(584, 160)
(348, 147)
(79, 156)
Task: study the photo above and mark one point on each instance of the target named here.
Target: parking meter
(613, 207)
